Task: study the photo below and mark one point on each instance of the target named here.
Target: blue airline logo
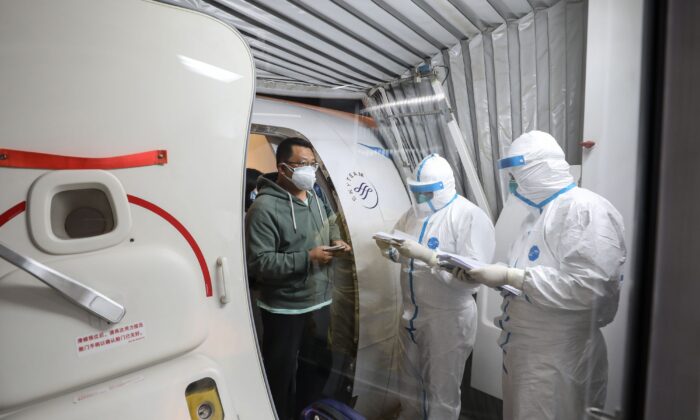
(361, 190)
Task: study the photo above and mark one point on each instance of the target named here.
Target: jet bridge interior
(211, 87)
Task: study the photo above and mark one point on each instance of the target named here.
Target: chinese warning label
(106, 340)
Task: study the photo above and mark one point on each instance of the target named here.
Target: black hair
(251, 182)
(284, 150)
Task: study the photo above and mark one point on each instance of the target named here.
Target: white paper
(511, 290)
(450, 261)
(334, 248)
(459, 261)
(397, 237)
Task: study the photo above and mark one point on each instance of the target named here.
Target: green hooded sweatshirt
(280, 231)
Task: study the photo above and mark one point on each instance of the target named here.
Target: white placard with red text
(106, 340)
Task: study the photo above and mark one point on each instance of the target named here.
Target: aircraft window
(81, 214)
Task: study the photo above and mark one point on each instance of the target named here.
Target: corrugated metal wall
(522, 75)
(506, 66)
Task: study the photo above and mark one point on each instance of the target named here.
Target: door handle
(222, 267)
(81, 295)
(596, 413)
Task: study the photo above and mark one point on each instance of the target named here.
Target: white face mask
(538, 180)
(303, 178)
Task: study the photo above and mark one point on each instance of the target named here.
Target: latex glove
(382, 245)
(498, 275)
(412, 249)
(387, 250)
(463, 276)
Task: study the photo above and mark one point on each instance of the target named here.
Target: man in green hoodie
(289, 229)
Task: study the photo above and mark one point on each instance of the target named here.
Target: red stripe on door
(10, 158)
(183, 231)
(12, 212)
(21, 207)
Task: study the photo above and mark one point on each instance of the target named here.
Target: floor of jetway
(477, 405)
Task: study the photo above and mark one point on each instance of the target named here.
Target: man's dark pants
(297, 358)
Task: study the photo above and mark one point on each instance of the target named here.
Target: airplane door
(372, 197)
(123, 143)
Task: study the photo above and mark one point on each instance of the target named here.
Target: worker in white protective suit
(438, 325)
(568, 263)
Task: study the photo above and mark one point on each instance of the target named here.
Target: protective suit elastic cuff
(515, 277)
(433, 262)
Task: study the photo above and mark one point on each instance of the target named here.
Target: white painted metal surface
(107, 78)
(353, 155)
(613, 91)
(487, 356)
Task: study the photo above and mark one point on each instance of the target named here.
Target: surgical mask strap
(291, 169)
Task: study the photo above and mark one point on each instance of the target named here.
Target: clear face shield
(508, 163)
(422, 194)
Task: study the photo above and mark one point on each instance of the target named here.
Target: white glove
(463, 276)
(498, 275)
(412, 249)
(382, 245)
(387, 250)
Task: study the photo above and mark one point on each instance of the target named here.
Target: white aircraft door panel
(114, 399)
(487, 358)
(109, 78)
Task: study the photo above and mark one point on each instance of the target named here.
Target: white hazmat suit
(568, 262)
(438, 325)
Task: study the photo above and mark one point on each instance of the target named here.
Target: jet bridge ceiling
(341, 48)
(503, 67)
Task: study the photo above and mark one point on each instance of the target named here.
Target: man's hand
(412, 249)
(346, 247)
(320, 255)
(498, 275)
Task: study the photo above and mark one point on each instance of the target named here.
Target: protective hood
(433, 179)
(537, 163)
